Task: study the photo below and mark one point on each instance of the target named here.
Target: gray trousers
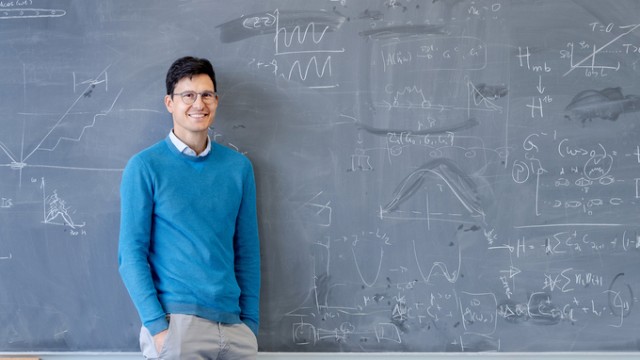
(194, 338)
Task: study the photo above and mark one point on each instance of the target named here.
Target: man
(189, 252)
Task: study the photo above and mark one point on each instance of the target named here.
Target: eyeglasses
(189, 97)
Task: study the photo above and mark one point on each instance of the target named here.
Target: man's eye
(189, 96)
(207, 95)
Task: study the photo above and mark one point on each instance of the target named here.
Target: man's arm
(247, 254)
(136, 193)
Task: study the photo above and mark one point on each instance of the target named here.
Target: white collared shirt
(185, 149)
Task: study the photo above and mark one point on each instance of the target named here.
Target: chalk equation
(441, 53)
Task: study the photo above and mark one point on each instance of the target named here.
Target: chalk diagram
(55, 209)
(376, 309)
(301, 52)
(69, 126)
(435, 138)
(318, 306)
(61, 131)
(590, 63)
(461, 187)
(310, 60)
(480, 97)
(444, 171)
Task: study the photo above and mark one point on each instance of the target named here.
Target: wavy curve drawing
(320, 72)
(461, 185)
(299, 36)
(450, 276)
(315, 23)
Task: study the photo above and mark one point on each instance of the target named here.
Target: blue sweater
(189, 236)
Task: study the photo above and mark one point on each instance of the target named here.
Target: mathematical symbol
(533, 107)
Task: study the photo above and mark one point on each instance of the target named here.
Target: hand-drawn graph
(374, 309)
(69, 126)
(55, 209)
(590, 62)
(479, 98)
(298, 44)
(461, 187)
(302, 52)
(47, 142)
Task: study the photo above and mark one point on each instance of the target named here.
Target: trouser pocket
(147, 346)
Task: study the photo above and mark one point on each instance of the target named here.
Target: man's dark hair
(189, 66)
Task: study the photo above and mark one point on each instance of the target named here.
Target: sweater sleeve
(136, 193)
(247, 254)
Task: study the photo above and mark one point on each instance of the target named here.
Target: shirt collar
(185, 149)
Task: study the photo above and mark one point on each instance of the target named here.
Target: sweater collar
(185, 149)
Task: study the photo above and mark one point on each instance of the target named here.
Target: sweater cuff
(157, 326)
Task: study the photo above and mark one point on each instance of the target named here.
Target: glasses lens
(208, 97)
(189, 97)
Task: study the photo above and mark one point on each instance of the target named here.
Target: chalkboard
(433, 176)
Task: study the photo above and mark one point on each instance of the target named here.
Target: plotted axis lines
(60, 131)
(591, 58)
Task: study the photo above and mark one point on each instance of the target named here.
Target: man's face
(193, 119)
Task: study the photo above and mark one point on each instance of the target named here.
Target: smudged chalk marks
(467, 124)
(493, 92)
(403, 31)
(606, 104)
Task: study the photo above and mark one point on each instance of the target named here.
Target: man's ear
(168, 103)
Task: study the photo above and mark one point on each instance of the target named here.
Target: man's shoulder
(230, 154)
(152, 151)
(149, 154)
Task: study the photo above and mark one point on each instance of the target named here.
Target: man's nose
(198, 102)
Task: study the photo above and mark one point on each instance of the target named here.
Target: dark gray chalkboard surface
(432, 175)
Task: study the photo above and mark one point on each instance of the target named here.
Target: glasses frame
(200, 94)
